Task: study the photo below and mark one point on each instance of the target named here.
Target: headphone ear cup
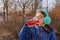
(47, 20)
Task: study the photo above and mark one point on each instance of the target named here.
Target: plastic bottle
(32, 21)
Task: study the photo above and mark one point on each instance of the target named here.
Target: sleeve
(53, 36)
(25, 33)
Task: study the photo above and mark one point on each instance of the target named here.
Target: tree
(23, 4)
(6, 9)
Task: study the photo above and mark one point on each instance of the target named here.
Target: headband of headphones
(44, 10)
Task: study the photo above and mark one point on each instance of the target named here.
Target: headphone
(47, 19)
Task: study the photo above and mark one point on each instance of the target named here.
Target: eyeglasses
(39, 16)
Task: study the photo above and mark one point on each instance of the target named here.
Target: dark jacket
(36, 33)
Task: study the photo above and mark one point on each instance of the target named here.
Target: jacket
(36, 33)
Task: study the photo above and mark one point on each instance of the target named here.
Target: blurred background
(14, 13)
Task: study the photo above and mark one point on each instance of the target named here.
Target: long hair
(47, 26)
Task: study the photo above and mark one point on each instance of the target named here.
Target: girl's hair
(44, 14)
(47, 26)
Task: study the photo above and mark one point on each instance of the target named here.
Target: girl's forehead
(39, 14)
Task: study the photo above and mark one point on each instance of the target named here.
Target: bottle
(32, 21)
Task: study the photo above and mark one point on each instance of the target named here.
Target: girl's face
(40, 16)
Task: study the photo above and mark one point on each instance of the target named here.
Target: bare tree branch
(26, 2)
(20, 4)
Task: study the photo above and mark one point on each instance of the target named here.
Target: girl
(38, 31)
